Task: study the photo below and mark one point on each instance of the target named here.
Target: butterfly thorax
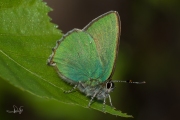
(100, 91)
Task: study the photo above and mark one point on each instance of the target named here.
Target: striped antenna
(129, 81)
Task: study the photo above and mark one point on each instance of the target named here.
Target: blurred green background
(149, 51)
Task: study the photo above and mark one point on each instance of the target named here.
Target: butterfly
(86, 58)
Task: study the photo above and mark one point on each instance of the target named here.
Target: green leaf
(26, 40)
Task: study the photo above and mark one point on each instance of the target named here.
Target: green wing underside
(105, 30)
(89, 53)
(76, 57)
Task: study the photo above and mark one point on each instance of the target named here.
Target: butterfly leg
(92, 99)
(73, 89)
(111, 102)
(104, 105)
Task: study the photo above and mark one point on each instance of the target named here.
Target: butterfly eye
(109, 85)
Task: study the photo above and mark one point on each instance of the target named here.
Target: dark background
(149, 51)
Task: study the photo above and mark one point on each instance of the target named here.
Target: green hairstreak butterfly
(86, 58)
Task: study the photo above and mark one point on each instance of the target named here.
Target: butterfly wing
(82, 55)
(105, 30)
(76, 57)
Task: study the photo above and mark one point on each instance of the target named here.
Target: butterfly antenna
(129, 81)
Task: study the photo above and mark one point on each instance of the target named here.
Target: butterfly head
(105, 90)
(109, 86)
